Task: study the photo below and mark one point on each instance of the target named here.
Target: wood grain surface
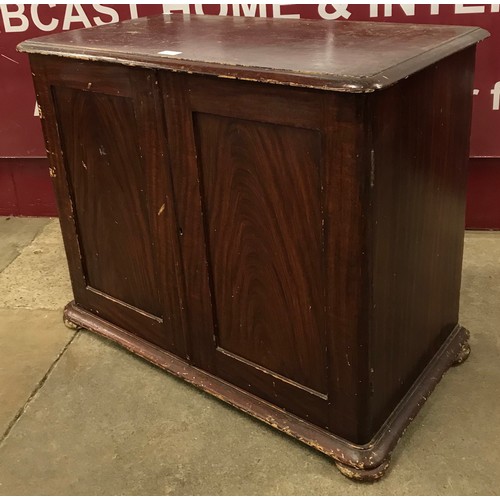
(99, 140)
(420, 147)
(287, 384)
(105, 138)
(348, 273)
(262, 205)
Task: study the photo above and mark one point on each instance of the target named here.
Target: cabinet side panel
(262, 198)
(418, 168)
(99, 136)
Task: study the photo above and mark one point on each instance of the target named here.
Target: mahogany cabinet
(272, 210)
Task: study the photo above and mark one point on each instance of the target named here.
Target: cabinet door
(247, 179)
(105, 138)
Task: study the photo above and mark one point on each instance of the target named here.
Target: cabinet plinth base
(69, 324)
(358, 462)
(363, 475)
(462, 354)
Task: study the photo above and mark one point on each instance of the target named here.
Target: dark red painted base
(26, 189)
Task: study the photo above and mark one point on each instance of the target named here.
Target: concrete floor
(79, 415)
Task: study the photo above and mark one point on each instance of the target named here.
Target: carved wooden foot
(364, 475)
(70, 324)
(462, 354)
(67, 322)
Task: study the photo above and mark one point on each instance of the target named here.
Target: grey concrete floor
(79, 415)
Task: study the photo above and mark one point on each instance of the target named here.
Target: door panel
(247, 179)
(108, 158)
(109, 191)
(261, 192)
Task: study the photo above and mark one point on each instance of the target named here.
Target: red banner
(20, 132)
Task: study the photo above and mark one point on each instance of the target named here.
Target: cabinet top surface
(336, 55)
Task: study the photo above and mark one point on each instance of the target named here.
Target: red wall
(25, 187)
(483, 194)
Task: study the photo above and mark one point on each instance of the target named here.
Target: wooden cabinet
(270, 210)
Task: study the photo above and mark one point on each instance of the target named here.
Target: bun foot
(462, 354)
(363, 475)
(67, 322)
(70, 324)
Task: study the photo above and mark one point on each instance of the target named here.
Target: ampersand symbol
(339, 11)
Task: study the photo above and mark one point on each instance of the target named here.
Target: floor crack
(20, 247)
(34, 392)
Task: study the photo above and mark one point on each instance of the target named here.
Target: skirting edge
(360, 462)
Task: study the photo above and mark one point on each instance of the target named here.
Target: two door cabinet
(271, 210)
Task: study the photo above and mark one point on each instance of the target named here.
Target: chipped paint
(462, 354)
(220, 72)
(69, 324)
(362, 474)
